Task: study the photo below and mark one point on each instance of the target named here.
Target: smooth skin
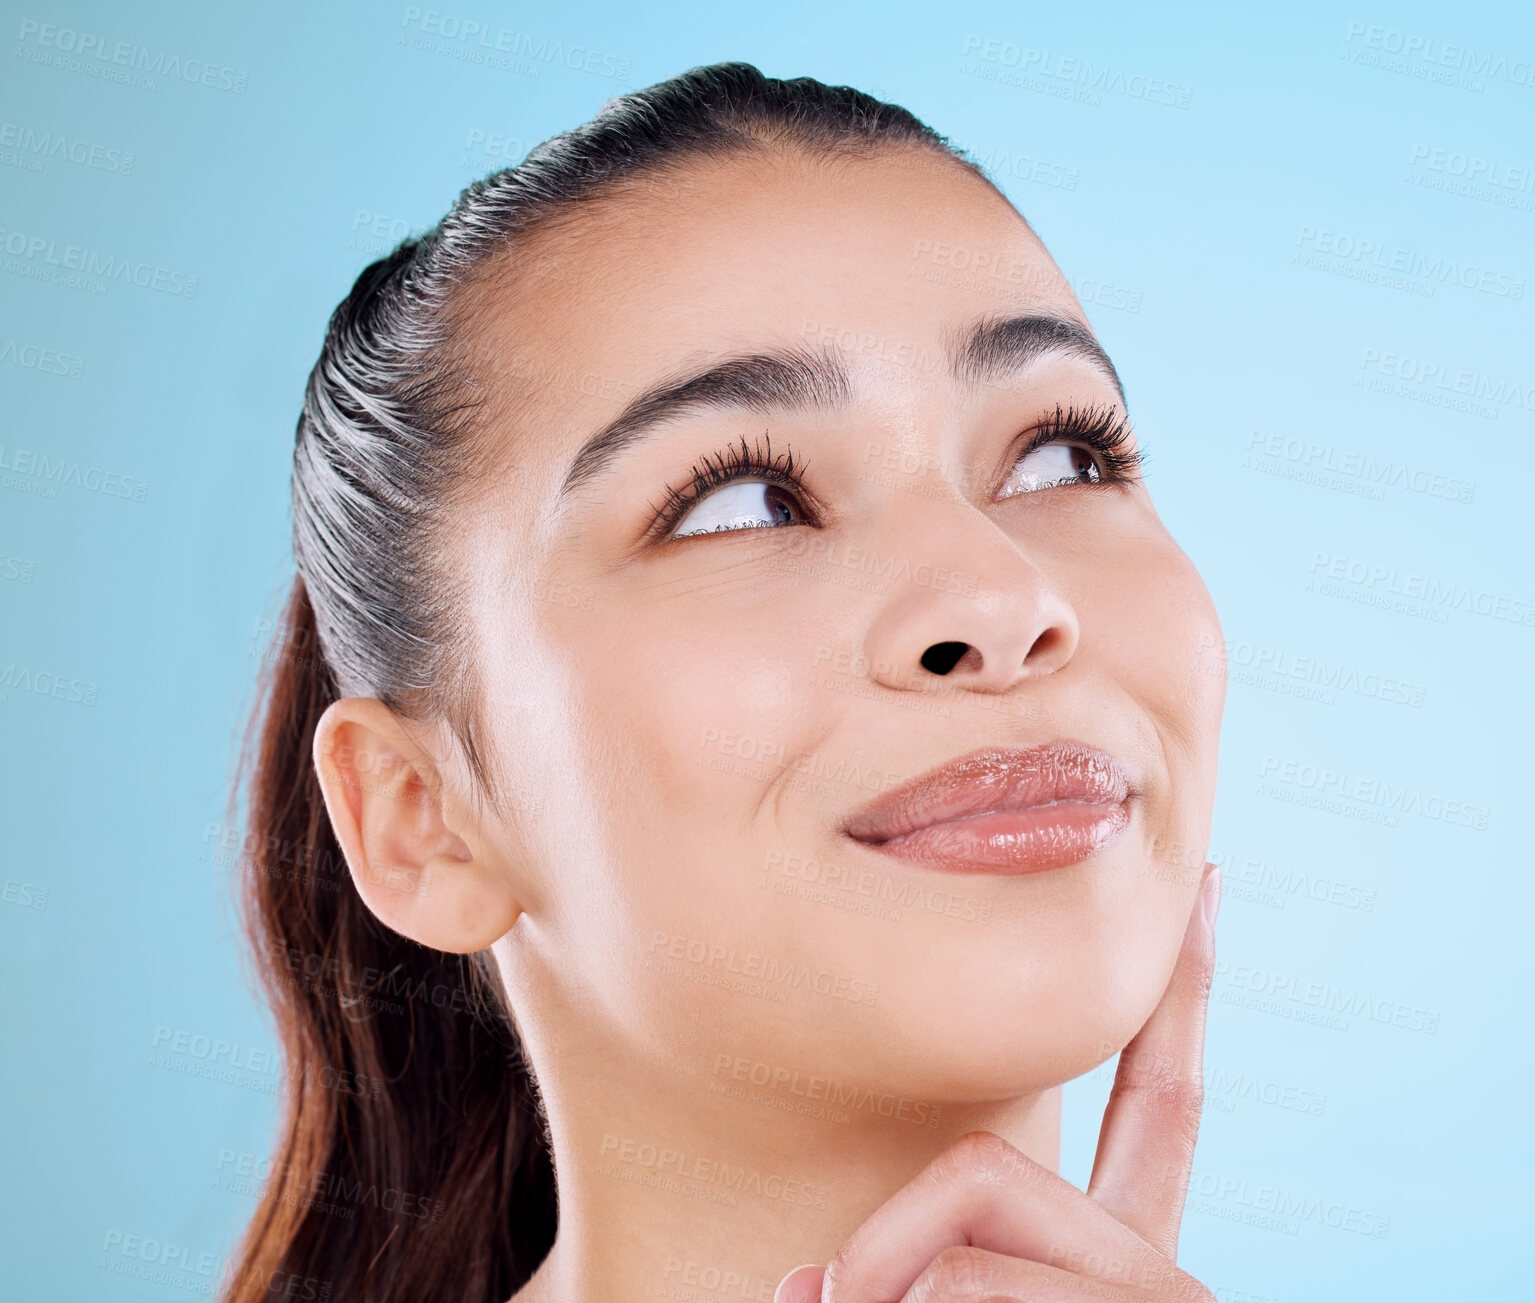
(984, 1221)
(751, 1032)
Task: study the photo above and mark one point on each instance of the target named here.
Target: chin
(997, 1032)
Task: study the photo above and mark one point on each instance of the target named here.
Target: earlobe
(386, 797)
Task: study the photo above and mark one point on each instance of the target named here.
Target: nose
(971, 609)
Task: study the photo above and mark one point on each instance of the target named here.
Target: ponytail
(413, 1160)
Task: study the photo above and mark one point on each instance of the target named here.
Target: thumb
(802, 1285)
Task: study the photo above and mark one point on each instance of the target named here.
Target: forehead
(881, 256)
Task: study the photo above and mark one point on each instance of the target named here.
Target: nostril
(942, 657)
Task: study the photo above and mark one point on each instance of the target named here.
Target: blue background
(1229, 250)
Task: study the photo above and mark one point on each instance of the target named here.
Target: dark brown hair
(414, 1158)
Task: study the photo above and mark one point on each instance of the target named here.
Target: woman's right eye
(745, 504)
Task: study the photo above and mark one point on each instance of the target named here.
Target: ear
(416, 854)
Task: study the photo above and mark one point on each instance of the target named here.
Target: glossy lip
(1003, 810)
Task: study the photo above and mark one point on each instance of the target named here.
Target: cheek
(1151, 630)
(703, 721)
(1152, 637)
(691, 724)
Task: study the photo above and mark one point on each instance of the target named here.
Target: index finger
(980, 1193)
(1146, 1146)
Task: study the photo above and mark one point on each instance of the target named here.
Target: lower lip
(1013, 841)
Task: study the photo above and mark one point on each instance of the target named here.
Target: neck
(708, 1191)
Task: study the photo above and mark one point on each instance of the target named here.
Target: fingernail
(1210, 895)
(778, 1294)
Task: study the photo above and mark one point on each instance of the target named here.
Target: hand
(984, 1223)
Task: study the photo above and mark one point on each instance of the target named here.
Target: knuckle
(1189, 1290)
(1163, 1276)
(959, 1274)
(1169, 1095)
(847, 1269)
(1204, 971)
(836, 1283)
(983, 1157)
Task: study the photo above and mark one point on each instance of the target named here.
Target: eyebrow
(798, 379)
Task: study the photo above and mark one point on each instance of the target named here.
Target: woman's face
(687, 716)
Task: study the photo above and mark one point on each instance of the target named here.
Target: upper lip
(994, 779)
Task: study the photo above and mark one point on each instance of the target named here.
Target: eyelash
(735, 463)
(1103, 430)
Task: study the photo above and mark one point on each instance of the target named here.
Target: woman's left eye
(1049, 465)
(746, 504)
